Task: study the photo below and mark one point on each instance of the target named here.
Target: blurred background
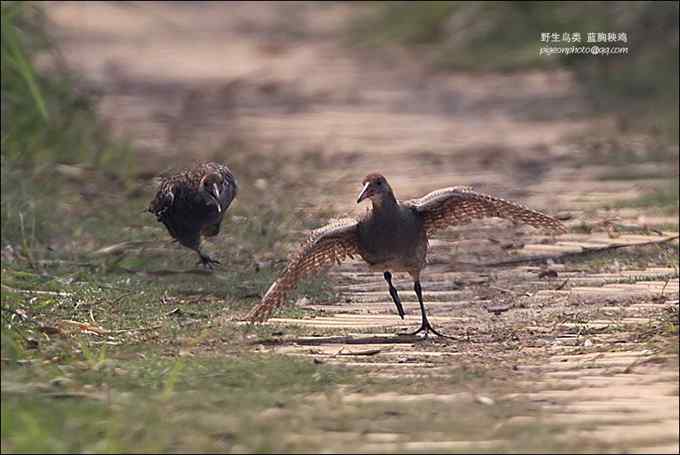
(109, 94)
(302, 100)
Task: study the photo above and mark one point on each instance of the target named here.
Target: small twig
(561, 286)
(497, 309)
(59, 261)
(316, 341)
(85, 327)
(165, 272)
(510, 291)
(140, 329)
(121, 297)
(32, 291)
(367, 352)
(664, 287)
(507, 291)
(124, 246)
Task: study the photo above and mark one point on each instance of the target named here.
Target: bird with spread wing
(393, 237)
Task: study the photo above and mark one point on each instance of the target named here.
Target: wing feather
(164, 199)
(326, 246)
(460, 205)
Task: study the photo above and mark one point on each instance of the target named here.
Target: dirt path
(184, 80)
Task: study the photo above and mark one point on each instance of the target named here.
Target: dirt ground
(183, 79)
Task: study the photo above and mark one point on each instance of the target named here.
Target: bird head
(211, 187)
(375, 188)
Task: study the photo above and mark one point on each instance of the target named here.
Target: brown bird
(393, 236)
(193, 203)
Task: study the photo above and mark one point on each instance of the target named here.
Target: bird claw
(426, 328)
(207, 262)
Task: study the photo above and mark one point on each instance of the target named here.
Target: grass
(47, 126)
(154, 403)
(45, 121)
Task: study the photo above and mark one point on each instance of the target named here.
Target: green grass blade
(14, 54)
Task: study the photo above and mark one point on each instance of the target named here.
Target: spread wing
(325, 246)
(460, 205)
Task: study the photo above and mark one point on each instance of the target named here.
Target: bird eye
(379, 182)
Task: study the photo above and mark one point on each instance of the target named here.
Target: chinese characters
(589, 37)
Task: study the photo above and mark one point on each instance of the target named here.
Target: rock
(484, 400)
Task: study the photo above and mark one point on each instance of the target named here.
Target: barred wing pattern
(164, 198)
(460, 205)
(326, 246)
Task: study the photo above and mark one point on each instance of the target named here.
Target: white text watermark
(582, 50)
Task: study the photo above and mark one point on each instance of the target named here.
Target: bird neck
(385, 205)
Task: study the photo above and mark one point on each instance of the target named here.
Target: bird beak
(217, 200)
(365, 193)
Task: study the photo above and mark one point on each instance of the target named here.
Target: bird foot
(426, 328)
(207, 262)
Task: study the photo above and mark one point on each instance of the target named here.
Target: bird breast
(207, 211)
(393, 238)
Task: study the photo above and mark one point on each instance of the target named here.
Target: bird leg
(425, 325)
(394, 294)
(205, 260)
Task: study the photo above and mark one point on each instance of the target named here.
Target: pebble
(485, 400)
